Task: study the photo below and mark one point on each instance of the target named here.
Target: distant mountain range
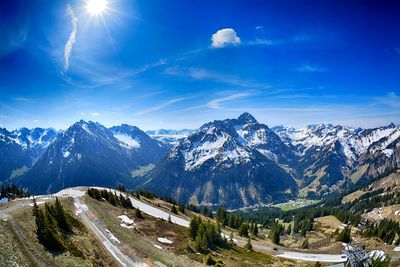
(233, 162)
(168, 136)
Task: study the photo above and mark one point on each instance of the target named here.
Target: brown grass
(94, 254)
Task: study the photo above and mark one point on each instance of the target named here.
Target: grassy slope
(94, 253)
(11, 253)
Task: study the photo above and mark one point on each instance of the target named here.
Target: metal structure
(357, 257)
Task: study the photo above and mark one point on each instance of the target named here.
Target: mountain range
(233, 162)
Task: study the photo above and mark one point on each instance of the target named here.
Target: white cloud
(72, 36)
(35, 121)
(259, 28)
(224, 37)
(95, 114)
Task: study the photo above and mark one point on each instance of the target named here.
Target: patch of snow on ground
(126, 226)
(112, 237)
(164, 240)
(37, 203)
(70, 192)
(80, 207)
(397, 213)
(157, 246)
(228, 237)
(125, 219)
(397, 249)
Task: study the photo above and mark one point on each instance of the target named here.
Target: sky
(179, 64)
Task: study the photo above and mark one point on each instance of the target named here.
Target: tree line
(112, 198)
(12, 191)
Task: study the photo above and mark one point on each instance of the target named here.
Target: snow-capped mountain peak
(212, 144)
(246, 118)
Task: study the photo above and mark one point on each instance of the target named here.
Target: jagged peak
(125, 126)
(391, 125)
(247, 118)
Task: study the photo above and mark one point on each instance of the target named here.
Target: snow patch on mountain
(86, 128)
(127, 141)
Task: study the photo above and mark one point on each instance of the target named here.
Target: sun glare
(96, 7)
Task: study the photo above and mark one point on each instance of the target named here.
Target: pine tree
(138, 213)
(181, 208)
(289, 229)
(254, 230)
(61, 217)
(201, 239)
(244, 230)
(344, 235)
(174, 210)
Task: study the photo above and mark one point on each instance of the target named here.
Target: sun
(96, 7)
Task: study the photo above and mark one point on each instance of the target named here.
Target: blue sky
(179, 64)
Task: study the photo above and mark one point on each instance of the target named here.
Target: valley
(277, 196)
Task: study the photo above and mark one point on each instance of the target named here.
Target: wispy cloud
(22, 99)
(310, 68)
(72, 36)
(260, 41)
(204, 74)
(216, 103)
(13, 39)
(391, 99)
(163, 105)
(97, 75)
